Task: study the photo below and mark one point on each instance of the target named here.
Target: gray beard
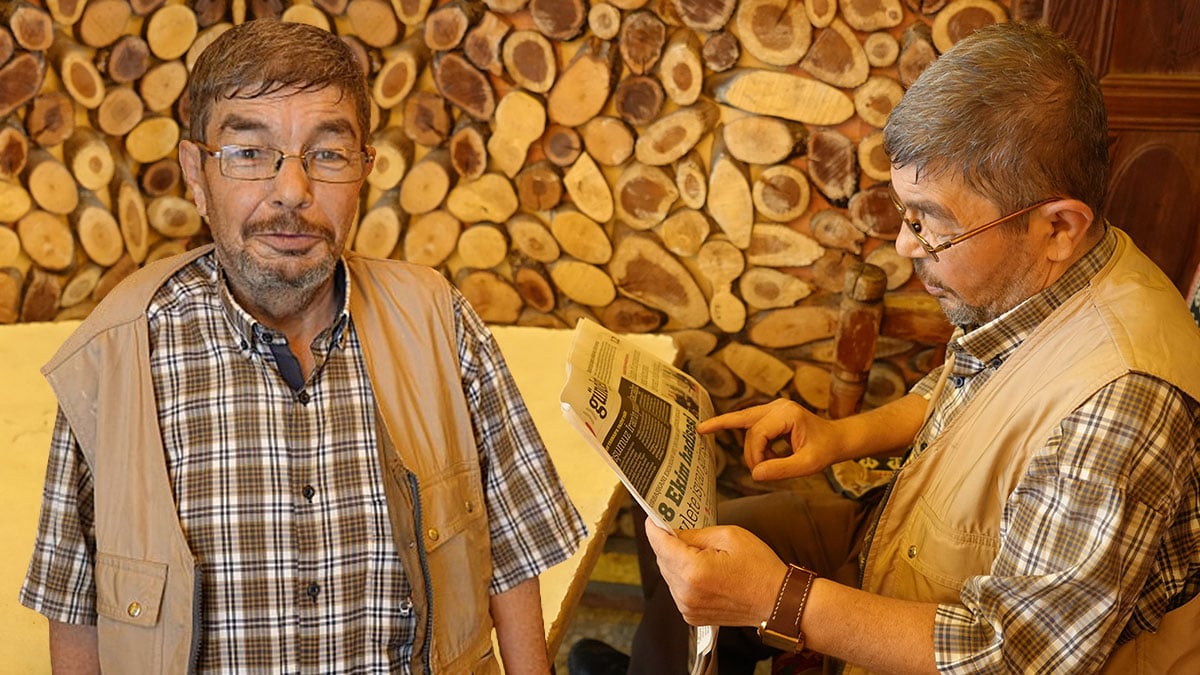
(269, 289)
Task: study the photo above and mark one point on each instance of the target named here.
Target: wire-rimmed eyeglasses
(327, 165)
(914, 225)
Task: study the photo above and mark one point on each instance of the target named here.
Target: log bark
(46, 239)
(488, 198)
(529, 60)
(482, 246)
(639, 99)
(520, 120)
(539, 187)
(756, 139)
(874, 100)
(627, 316)
(833, 165)
(646, 272)
(162, 85)
(431, 237)
(464, 86)
(426, 120)
(881, 49)
(680, 68)
(869, 15)
(32, 27)
(50, 183)
(837, 58)
(684, 231)
(872, 158)
(691, 179)
(468, 149)
(562, 145)
(173, 217)
(963, 17)
(531, 237)
(644, 195)
(558, 19)
(400, 72)
(766, 288)
(792, 97)
(446, 26)
(642, 38)
(589, 190)
(781, 246)
(393, 156)
(874, 214)
(793, 326)
(171, 30)
(14, 150)
(781, 193)
(720, 51)
(758, 369)
(50, 118)
(581, 237)
(583, 283)
(482, 44)
(427, 183)
(776, 32)
(492, 297)
(704, 15)
(103, 22)
(857, 331)
(832, 229)
(373, 21)
(730, 202)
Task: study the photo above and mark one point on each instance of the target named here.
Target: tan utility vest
(941, 523)
(147, 582)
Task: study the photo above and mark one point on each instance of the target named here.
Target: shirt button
(912, 551)
(135, 609)
(309, 491)
(313, 590)
(924, 445)
(303, 397)
(995, 363)
(266, 337)
(958, 380)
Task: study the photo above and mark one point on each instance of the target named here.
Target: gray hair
(1014, 109)
(267, 56)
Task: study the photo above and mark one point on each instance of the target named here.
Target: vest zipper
(420, 537)
(197, 619)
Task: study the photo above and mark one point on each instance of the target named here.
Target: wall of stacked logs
(710, 169)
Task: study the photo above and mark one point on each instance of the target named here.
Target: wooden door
(1147, 56)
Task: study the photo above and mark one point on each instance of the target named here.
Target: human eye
(330, 156)
(245, 153)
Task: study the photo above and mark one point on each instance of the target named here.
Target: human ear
(1069, 224)
(190, 161)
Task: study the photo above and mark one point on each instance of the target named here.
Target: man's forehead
(326, 110)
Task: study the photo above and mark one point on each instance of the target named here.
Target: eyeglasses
(327, 165)
(914, 226)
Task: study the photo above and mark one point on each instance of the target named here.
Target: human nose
(292, 188)
(907, 244)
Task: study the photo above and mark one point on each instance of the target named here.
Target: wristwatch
(781, 630)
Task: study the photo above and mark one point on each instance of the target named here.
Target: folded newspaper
(640, 413)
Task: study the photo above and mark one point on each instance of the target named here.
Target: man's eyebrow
(235, 122)
(335, 127)
(930, 208)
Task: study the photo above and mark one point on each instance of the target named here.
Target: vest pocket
(128, 590)
(941, 556)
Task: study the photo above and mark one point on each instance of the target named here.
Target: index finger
(738, 419)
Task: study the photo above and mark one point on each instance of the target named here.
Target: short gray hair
(1014, 109)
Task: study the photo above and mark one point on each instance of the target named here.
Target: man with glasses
(272, 455)
(1047, 514)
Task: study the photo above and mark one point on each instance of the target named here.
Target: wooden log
(857, 331)
(776, 32)
(482, 44)
(490, 197)
(77, 71)
(833, 165)
(558, 19)
(32, 27)
(120, 111)
(721, 263)
(152, 139)
(171, 30)
(113, 276)
(130, 208)
(400, 72)
(820, 13)
(781, 193)
(730, 202)
(529, 60)
(707, 15)
(562, 145)
(875, 98)
(50, 183)
(539, 186)
(674, 135)
(792, 97)
(41, 296)
(583, 283)
(494, 298)
(464, 86)
(884, 385)
(684, 231)
(393, 156)
(604, 20)
(755, 139)
(607, 139)
(721, 51)
(928, 7)
(872, 159)
(103, 22)
(531, 237)
(50, 118)
(642, 38)
(628, 316)
(14, 150)
(691, 179)
(373, 21)
(7, 45)
(468, 149)
(162, 85)
(534, 285)
(520, 120)
(881, 49)
(446, 26)
(427, 183)
(791, 326)
(644, 195)
(369, 60)
(308, 15)
(588, 189)
(160, 178)
(20, 80)
(646, 272)
(758, 369)
(961, 18)
(780, 246)
(46, 239)
(10, 295)
(98, 232)
(431, 237)
(482, 246)
(127, 60)
(144, 7)
(898, 268)
(869, 15)
(811, 382)
(15, 202)
(692, 343)
(638, 99)
(412, 12)
(680, 68)
(766, 288)
(583, 87)
(837, 57)
(829, 272)
(832, 229)
(713, 375)
(873, 213)
(79, 287)
(166, 248)
(173, 217)
(426, 120)
(210, 12)
(581, 237)
(532, 318)
(915, 316)
(916, 52)
(65, 12)
(10, 247)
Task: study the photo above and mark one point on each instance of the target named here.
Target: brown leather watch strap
(781, 630)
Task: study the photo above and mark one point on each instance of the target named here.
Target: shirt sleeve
(1081, 535)
(59, 583)
(532, 522)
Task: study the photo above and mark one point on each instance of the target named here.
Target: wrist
(782, 627)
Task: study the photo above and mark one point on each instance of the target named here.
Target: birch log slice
(581, 237)
(173, 217)
(781, 193)
(644, 195)
(379, 229)
(46, 239)
(766, 288)
(776, 32)
(20, 80)
(431, 237)
(65, 12)
(720, 262)
(534, 285)
(127, 60)
(869, 15)
(756, 139)
(32, 27)
(520, 120)
(79, 75)
(79, 288)
(730, 202)
(792, 97)
(780, 246)
(582, 89)
(793, 326)
(529, 59)
(446, 26)
(42, 295)
(488, 198)
(583, 283)
(531, 237)
(119, 112)
(482, 246)
(680, 68)
(832, 229)
(882, 49)
(51, 184)
(10, 246)
(646, 272)
(308, 15)
(492, 297)
(758, 369)
(692, 343)
(721, 51)
(160, 178)
(373, 22)
(837, 58)
(589, 190)
(916, 52)
(638, 99)
(684, 231)
(152, 139)
(963, 17)
(927, 7)
(604, 20)
(426, 120)
(562, 145)
(898, 268)
(675, 134)
(727, 312)
(820, 13)
(558, 19)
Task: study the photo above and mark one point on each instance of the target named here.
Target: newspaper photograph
(640, 413)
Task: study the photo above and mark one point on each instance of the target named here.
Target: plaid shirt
(279, 489)
(1102, 531)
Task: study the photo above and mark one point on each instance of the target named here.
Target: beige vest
(941, 523)
(147, 583)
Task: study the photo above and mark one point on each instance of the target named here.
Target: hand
(815, 442)
(719, 576)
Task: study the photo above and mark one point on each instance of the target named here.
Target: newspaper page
(640, 413)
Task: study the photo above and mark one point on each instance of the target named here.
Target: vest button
(912, 551)
(469, 506)
(135, 609)
(433, 534)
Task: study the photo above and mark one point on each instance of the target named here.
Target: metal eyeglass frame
(914, 226)
(367, 156)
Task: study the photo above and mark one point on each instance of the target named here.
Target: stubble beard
(1009, 291)
(274, 288)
